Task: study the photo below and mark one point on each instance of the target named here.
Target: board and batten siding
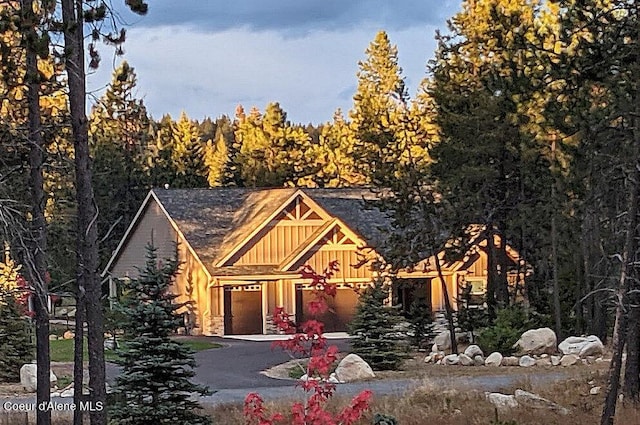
(275, 243)
(153, 227)
(320, 257)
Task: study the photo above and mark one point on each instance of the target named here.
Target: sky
(205, 57)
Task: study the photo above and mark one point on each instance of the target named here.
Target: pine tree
(373, 328)
(271, 151)
(187, 155)
(154, 385)
(335, 153)
(16, 347)
(119, 134)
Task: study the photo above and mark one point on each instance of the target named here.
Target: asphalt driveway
(237, 365)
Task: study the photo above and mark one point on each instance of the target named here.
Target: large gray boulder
(502, 402)
(28, 379)
(537, 341)
(443, 341)
(494, 359)
(451, 359)
(465, 360)
(582, 346)
(534, 401)
(353, 368)
(473, 350)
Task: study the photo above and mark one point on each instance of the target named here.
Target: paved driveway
(239, 363)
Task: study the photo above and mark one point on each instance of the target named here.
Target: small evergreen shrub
(471, 314)
(16, 347)
(420, 323)
(380, 419)
(154, 386)
(374, 328)
(510, 323)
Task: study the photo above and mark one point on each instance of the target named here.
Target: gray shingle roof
(213, 221)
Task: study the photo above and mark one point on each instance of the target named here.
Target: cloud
(210, 73)
(294, 16)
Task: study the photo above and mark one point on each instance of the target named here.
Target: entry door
(243, 310)
(408, 291)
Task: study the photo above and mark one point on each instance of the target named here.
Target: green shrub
(510, 323)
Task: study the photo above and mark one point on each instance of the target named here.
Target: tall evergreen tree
(485, 164)
(187, 154)
(339, 165)
(154, 385)
(119, 134)
(271, 152)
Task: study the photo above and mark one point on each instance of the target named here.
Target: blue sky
(205, 57)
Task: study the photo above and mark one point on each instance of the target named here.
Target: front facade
(241, 249)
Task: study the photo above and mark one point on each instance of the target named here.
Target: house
(240, 251)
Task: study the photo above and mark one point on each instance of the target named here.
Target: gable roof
(214, 221)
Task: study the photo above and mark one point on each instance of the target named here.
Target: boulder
(510, 361)
(28, 378)
(569, 360)
(526, 361)
(555, 360)
(68, 393)
(443, 341)
(353, 368)
(594, 391)
(502, 402)
(53, 337)
(473, 350)
(465, 360)
(543, 361)
(110, 344)
(494, 359)
(68, 335)
(537, 341)
(434, 348)
(429, 358)
(450, 360)
(534, 401)
(478, 361)
(582, 346)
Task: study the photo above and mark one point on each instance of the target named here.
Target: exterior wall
(437, 294)
(192, 286)
(347, 257)
(153, 226)
(276, 242)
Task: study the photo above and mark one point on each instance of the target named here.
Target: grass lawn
(62, 349)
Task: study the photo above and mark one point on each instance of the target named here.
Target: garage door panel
(339, 314)
(243, 311)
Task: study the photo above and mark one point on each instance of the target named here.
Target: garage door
(243, 310)
(341, 308)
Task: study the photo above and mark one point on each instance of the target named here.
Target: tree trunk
(78, 356)
(609, 409)
(87, 244)
(447, 307)
(36, 258)
(557, 313)
(491, 274)
(631, 387)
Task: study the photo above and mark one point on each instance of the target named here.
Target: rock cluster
(536, 347)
